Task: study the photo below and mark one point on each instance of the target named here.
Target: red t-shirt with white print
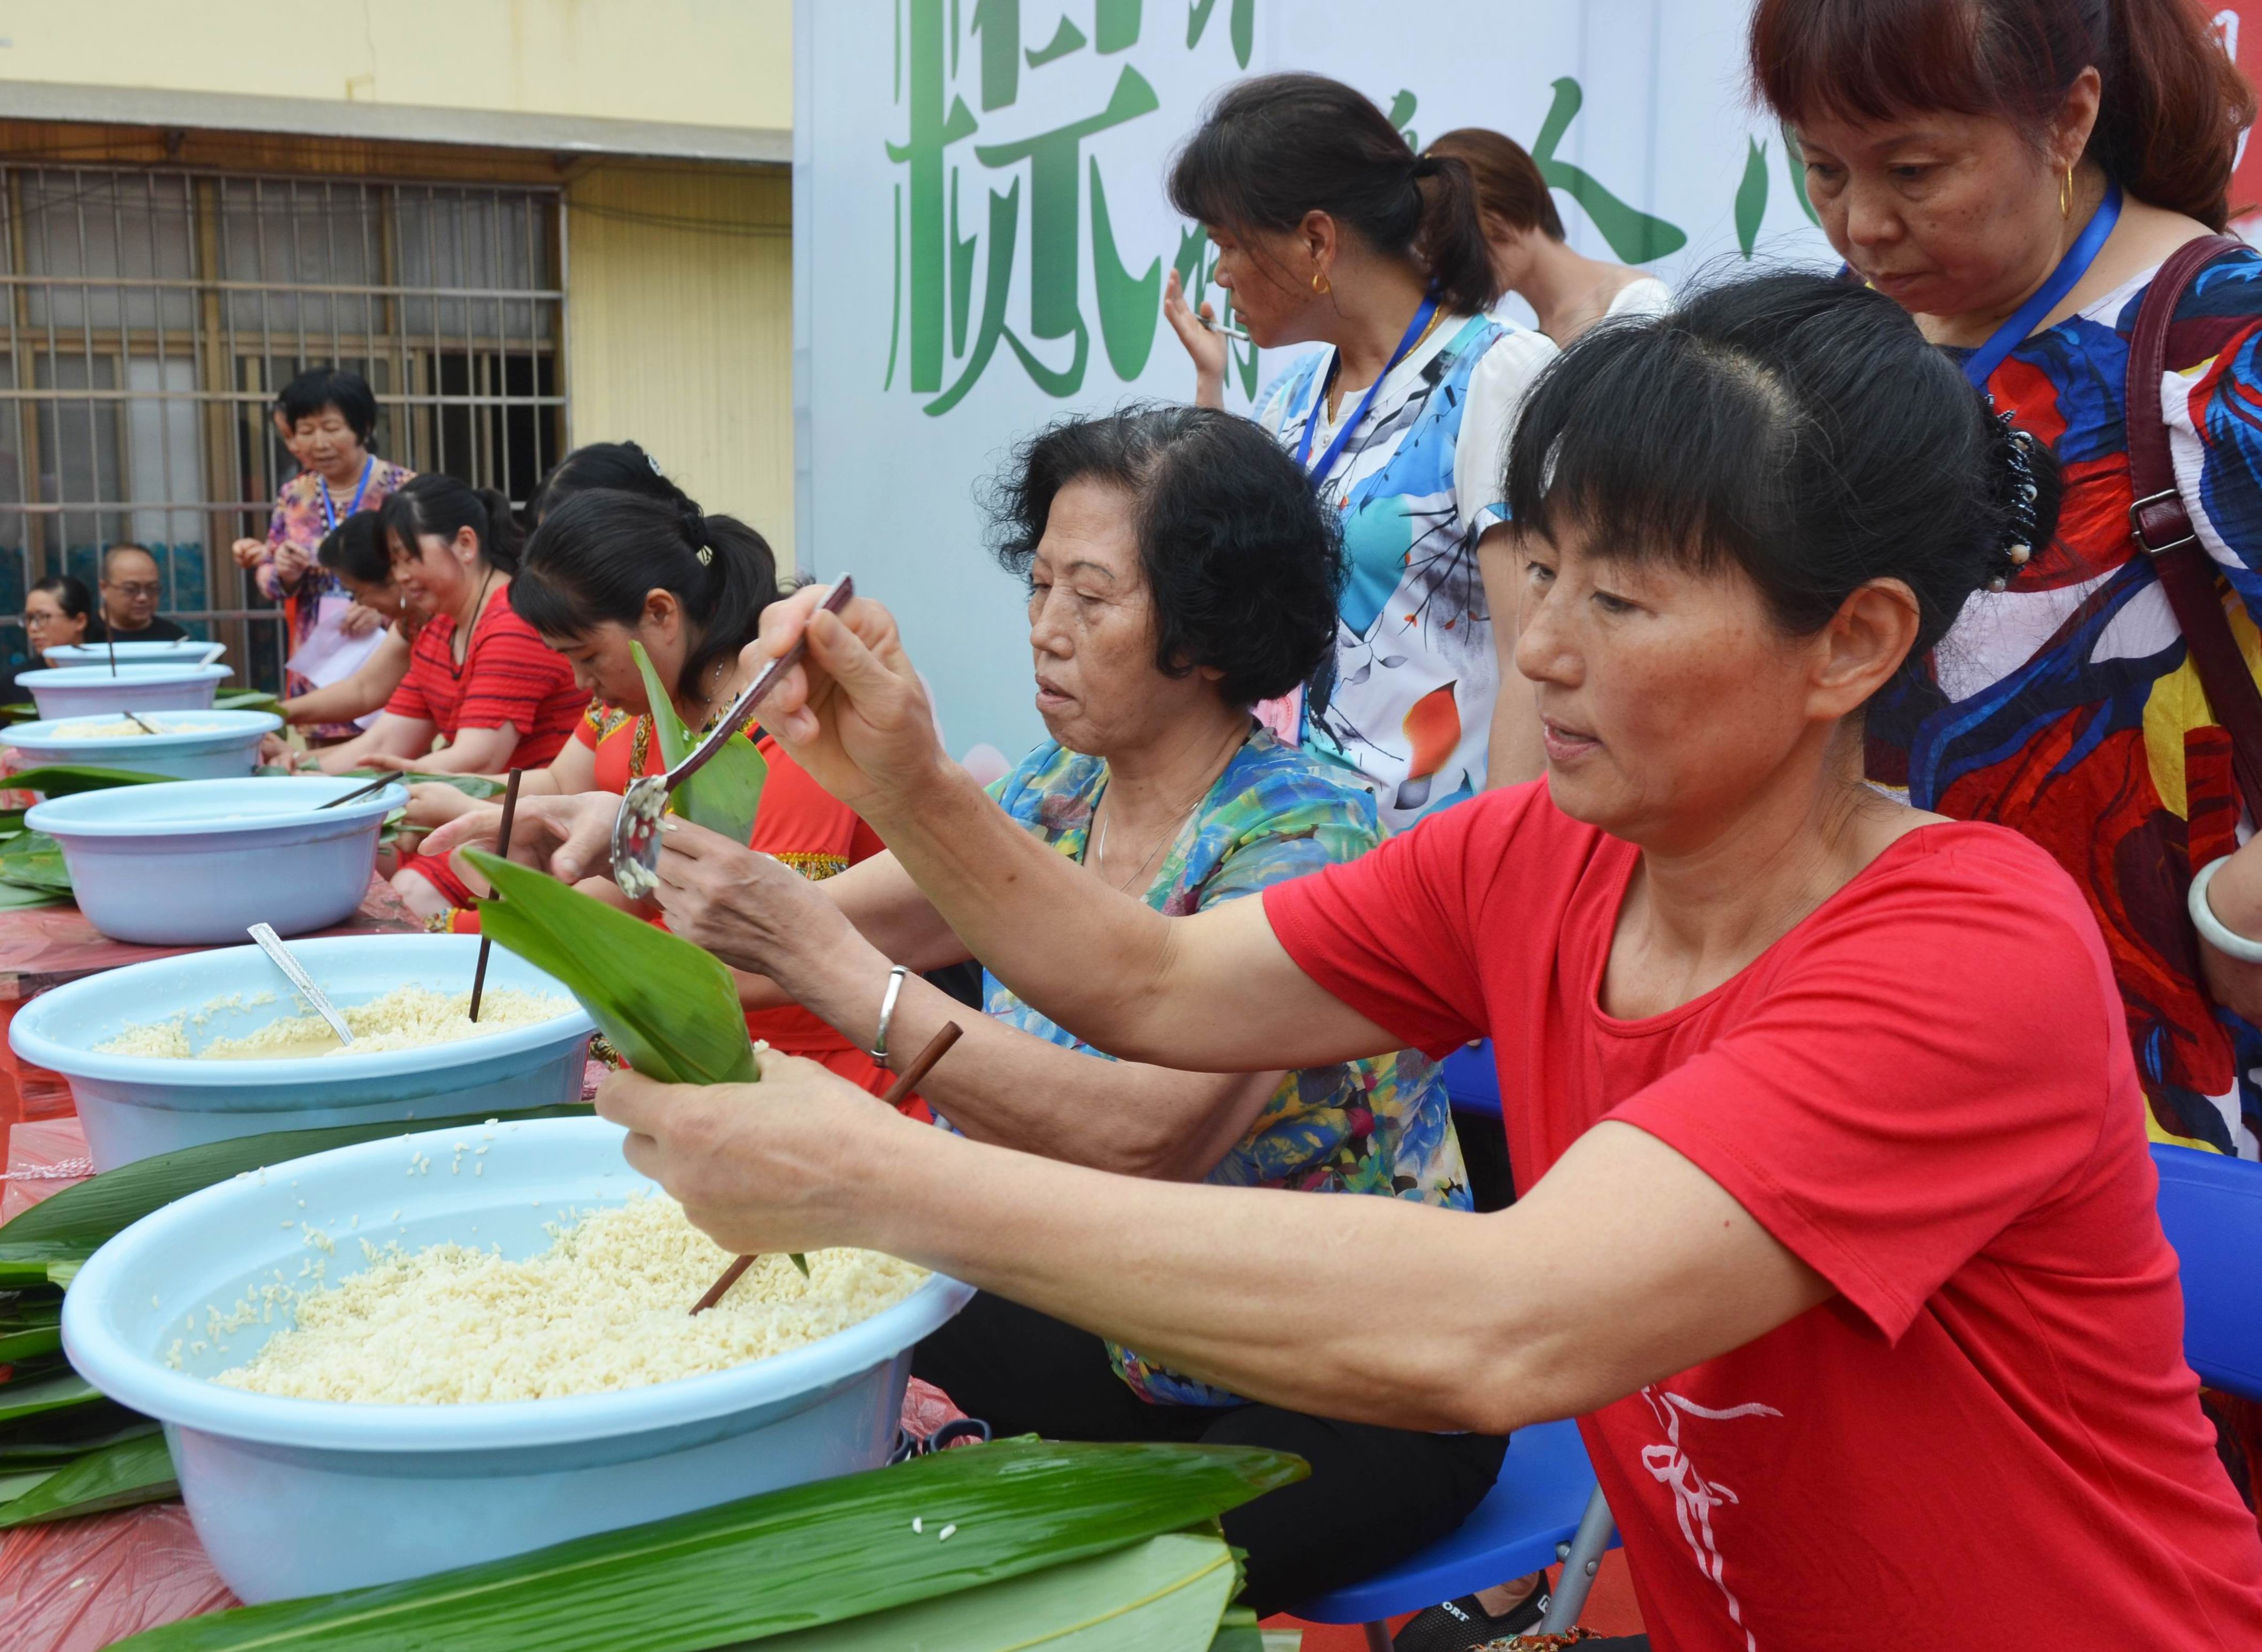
(1989, 1437)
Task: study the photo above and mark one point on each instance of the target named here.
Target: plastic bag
(77, 1585)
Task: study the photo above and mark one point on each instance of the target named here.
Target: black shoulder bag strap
(2162, 527)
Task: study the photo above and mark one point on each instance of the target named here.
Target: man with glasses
(130, 590)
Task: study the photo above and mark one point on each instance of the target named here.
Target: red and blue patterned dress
(2065, 706)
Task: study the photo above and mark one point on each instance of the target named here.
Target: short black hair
(320, 388)
(1796, 427)
(356, 548)
(1243, 560)
(70, 594)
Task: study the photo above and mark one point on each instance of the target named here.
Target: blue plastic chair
(1545, 1507)
(2212, 1210)
(1471, 1082)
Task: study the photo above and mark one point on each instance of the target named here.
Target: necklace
(462, 634)
(1099, 842)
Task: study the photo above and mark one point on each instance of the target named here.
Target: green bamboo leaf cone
(726, 795)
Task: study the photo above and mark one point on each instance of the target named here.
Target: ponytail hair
(598, 554)
(623, 466)
(438, 504)
(1276, 147)
(2171, 108)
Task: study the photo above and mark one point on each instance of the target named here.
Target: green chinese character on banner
(939, 269)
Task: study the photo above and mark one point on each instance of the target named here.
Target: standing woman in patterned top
(2014, 172)
(329, 414)
(1330, 230)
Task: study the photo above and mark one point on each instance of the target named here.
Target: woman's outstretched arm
(1624, 1264)
(1214, 992)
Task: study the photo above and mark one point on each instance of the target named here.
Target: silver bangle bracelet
(2211, 929)
(879, 1049)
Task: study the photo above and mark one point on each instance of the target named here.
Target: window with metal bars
(153, 314)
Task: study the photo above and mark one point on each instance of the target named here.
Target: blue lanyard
(1980, 365)
(1415, 328)
(329, 510)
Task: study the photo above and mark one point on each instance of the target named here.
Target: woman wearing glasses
(58, 612)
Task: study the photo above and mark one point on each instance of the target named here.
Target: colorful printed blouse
(1364, 1127)
(2065, 706)
(298, 519)
(1407, 700)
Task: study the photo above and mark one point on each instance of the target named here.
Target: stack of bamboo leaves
(1018, 1545)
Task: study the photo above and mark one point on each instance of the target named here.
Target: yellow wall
(698, 62)
(680, 323)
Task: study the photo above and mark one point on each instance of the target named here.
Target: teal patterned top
(1362, 1127)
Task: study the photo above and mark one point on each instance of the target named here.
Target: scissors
(636, 829)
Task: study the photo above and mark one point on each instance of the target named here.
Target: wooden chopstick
(358, 792)
(502, 848)
(898, 1093)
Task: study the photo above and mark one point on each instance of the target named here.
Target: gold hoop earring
(2066, 195)
(1321, 285)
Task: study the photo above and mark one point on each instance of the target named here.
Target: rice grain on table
(407, 1017)
(606, 1307)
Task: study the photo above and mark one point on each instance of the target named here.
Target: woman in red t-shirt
(1836, 1231)
(478, 674)
(606, 569)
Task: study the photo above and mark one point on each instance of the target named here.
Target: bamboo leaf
(65, 780)
(790, 1559)
(245, 700)
(1167, 1594)
(71, 1225)
(30, 1456)
(57, 1393)
(14, 896)
(672, 1009)
(118, 1476)
(29, 1342)
(722, 797)
(35, 860)
(13, 1486)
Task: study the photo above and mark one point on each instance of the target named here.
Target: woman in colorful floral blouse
(1180, 568)
(330, 414)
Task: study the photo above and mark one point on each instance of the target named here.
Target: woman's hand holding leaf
(853, 712)
(571, 837)
(760, 1168)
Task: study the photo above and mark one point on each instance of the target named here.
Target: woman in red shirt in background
(1837, 1229)
(607, 569)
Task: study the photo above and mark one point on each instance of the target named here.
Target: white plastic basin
(197, 863)
(186, 651)
(197, 744)
(301, 1497)
(137, 1105)
(77, 691)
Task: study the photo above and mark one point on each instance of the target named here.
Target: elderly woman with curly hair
(1180, 569)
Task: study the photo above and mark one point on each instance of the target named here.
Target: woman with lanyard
(2015, 175)
(330, 414)
(1330, 229)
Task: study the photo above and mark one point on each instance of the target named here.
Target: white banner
(981, 236)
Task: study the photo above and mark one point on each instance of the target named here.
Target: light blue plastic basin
(137, 1105)
(187, 652)
(302, 1496)
(198, 862)
(212, 745)
(75, 691)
